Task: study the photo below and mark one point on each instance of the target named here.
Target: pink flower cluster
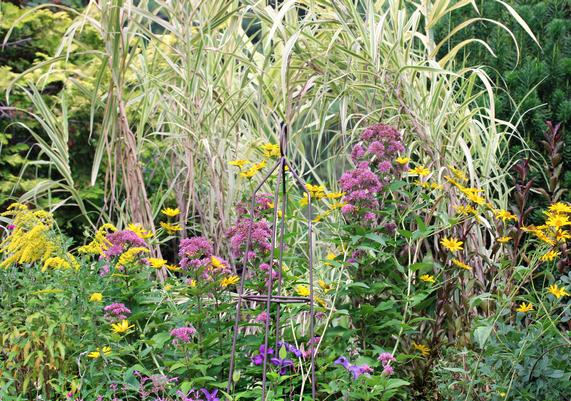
(261, 234)
(183, 334)
(262, 203)
(195, 252)
(386, 358)
(120, 240)
(116, 312)
(374, 158)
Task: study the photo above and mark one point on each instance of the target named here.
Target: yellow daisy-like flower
(171, 228)
(466, 210)
(524, 308)
(317, 192)
(560, 207)
(271, 150)
(173, 268)
(452, 244)
(228, 281)
(423, 349)
(324, 286)
(402, 160)
(557, 221)
(98, 352)
(140, 231)
(562, 235)
(335, 195)
(302, 291)
(459, 174)
(249, 173)
(557, 292)
(156, 263)
(121, 327)
(461, 264)
(239, 163)
(96, 297)
(504, 240)
(170, 212)
(549, 256)
(192, 283)
(428, 278)
(420, 171)
(504, 215)
(216, 263)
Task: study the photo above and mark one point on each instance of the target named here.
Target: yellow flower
(504, 240)
(97, 353)
(305, 200)
(402, 160)
(249, 173)
(56, 263)
(423, 349)
(324, 286)
(302, 291)
(317, 192)
(216, 263)
(452, 244)
(321, 302)
(271, 150)
(461, 264)
(227, 281)
(171, 212)
(459, 174)
(156, 263)
(96, 297)
(466, 210)
(524, 308)
(173, 268)
(556, 291)
(477, 199)
(192, 283)
(428, 278)
(170, 228)
(504, 215)
(557, 221)
(121, 327)
(140, 231)
(420, 171)
(549, 256)
(335, 195)
(168, 287)
(560, 207)
(129, 255)
(562, 235)
(239, 163)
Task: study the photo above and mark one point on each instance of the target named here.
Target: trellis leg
(281, 252)
(270, 283)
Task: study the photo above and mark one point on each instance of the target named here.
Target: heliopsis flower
(524, 308)
(335, 195)
(129, 255)
(173, 268)
(170, 228)
(562, 235)
(317, 192)
(428, 278)
(556, 291)
(271, 150)
(504, 240)
(504, 215)
(156, 263)
(557, 221)
(216, 263)
(419, 170)
(121, 327)
(402, 160)
(98, 352)
(549, 256)
(140, 231)
(302, 291)
(461, 264)
(452, 244)
(459, 174)
(560, 207)
(170, 212)
(239, 163)
(249, 173)
(324, 286)
(228, 281)
(423, 349)
(96, 297)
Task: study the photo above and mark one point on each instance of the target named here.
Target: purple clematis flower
(210, 396)
(283, 364)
